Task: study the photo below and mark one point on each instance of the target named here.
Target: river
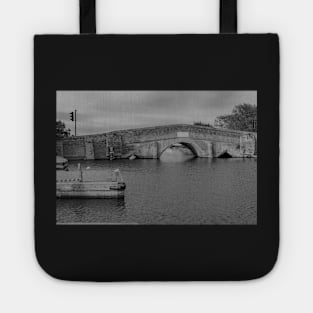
(177, 189)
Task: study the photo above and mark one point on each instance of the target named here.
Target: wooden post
(81, 172)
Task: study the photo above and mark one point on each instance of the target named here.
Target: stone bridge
(151, 142)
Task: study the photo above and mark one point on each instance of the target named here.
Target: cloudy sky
(102, 111)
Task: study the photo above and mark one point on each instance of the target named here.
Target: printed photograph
(156, 157)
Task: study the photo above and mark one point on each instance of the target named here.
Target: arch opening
(225, 155)
(180, 151)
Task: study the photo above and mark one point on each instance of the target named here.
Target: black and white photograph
(156, 157)
(179, 184)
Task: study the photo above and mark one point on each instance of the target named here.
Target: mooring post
(81, 172)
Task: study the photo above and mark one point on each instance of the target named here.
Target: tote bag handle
(228, 16)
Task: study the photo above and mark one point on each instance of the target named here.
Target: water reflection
(177, 189)
(177, 153)
(90, 210)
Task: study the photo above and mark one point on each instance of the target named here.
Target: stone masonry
(151, 142)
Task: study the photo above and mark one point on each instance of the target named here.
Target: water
(177, 189)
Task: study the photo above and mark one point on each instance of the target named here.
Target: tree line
(61, 130)
(243, 117)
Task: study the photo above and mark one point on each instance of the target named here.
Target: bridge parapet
(149, 142)
(170, 131)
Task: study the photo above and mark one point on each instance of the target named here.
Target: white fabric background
(26, 288)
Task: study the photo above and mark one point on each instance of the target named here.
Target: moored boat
(89, 184)
(61, 163)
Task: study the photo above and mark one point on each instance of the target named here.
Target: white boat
(89, 184)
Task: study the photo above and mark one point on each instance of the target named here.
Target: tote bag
(164, 160)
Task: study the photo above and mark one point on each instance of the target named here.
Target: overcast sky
(102, 111)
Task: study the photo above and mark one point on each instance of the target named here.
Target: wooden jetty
(89, 184)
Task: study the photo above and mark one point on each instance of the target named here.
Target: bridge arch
(225, 154)
(188, 143)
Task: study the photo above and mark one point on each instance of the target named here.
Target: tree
(61, 131)
(243, 117)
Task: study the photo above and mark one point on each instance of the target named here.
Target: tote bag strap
(87, 18)
(228, 16)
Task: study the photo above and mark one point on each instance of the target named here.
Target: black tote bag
(164, 165)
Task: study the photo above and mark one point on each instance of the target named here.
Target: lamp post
(73, 118)
(75, 122)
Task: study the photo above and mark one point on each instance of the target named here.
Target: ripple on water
(191, 191)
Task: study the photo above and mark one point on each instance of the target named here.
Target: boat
(61, 163)
(89, 184)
